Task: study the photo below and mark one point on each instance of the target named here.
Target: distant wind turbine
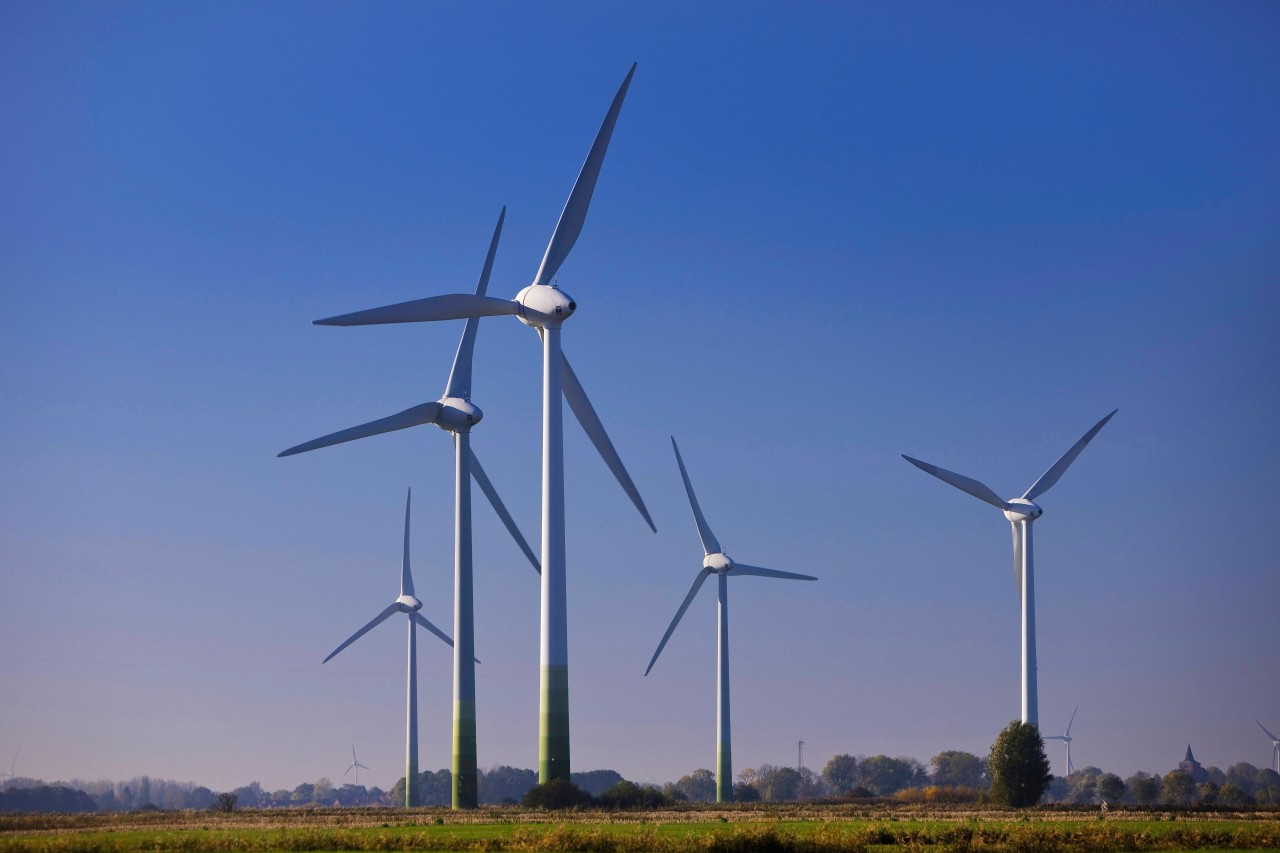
(1275, 747)
(12, 764)
(408, 604)
(454, 413)
(1066, 738)
(1021, 512)
(544, 307)
(716, 562)
(355, 765)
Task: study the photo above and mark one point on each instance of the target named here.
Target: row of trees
(1241, 784)
(953, 775)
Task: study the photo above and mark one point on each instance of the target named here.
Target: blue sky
(825, 235)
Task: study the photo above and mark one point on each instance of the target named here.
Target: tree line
(951, 775)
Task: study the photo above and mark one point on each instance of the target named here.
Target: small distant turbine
(12, 764)
(717, 562)
(1066, 738)
(1275, 747)
(355, 765)
(1020, 512)
(408, 604)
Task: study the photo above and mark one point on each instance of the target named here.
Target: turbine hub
(547, 306)
(718, 563)
(1021, 509)
(458, 415)
(408, 603)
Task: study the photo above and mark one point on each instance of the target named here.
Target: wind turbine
(544, 307)
(1275, 747)
(716, 562)
(1021, 512)
(1066, 738)
(12, 765)
(355, 765)
(454, 413)
(409, 604)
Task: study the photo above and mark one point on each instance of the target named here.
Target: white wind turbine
(1275, 747)
(1066, 738)
(355, 765)
(408, 604)
(454, 413)
(716, 562)
(1021, 512)
(543, 306)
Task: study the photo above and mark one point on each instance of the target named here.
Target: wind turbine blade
(482, 480)
(961, 482)
(423, 414)
(575, 209)
(1264, 729)
(406, 576)
(373, 623)
(693, 590)
(586, 414)
(1072, 720)
(453, 306)
(1017, 558)
(741, 569)
(1052, 737)
(1048, 478)
(710, 544)
(361, 766)
(460, 376)
(422, 620)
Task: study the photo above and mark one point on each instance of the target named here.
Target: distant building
(1192, 768)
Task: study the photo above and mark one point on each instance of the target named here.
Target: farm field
(816, 828)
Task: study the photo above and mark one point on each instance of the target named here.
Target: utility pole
(800, 757)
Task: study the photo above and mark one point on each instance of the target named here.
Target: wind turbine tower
(1020, 512)
(408, 604)
(543, 307)
(716, 562)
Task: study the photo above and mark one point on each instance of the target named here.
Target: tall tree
(883, 775)
(953, 768)
(1177, 788)
(1018, 767)
(841, 774)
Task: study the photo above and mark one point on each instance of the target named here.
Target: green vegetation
(1018, 767)
(814, 829)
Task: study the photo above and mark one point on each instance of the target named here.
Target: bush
(557, 794)
(629, 795)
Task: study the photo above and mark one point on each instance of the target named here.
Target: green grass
(813, 829)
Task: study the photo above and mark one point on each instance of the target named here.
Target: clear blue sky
(825, 235)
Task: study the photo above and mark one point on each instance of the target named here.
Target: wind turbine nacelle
(546, 306)
(408, 601)
(457, 415)
(718, 563)
(1021, 509)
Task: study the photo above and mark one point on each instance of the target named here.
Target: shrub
(629, 795)
(557, 794)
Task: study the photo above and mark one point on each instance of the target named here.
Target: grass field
(817, 828)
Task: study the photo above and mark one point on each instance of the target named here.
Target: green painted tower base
(465, 775)
(553, 724)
